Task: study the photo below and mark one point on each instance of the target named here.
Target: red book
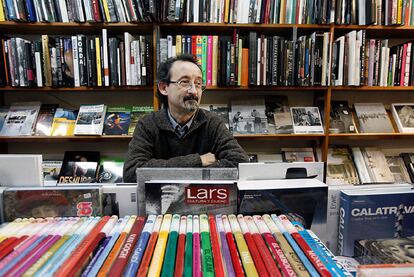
(126, 250)
(215, 246)
(404, 57)
(96, 11)
(10, 248)
(237, 265)
(194, 45)
(179, 259)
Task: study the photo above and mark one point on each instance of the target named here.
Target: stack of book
(167, 245)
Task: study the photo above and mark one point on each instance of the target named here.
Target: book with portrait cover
(79, 167)
(52, 202)
(373, 118)
(137, 113)
(306, 120)
(190, 197)
(117, 120)
(389, 212)
(403, 114)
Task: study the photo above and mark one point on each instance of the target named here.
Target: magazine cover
(90, 120)
(20, 119)
(45, 119)
(52, 202)
(373, 118)
(340, 167)
(117, 121)
(389, 213)
(222, 110)
(247, 116)
(278, 114)
(63, 122)
(79, 167)
(404, 116)
(111, 171)
(190, 197)
(137, 113)
(306, 120)
(342, 120)
(3, 114)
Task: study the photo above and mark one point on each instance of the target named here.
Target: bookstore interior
(317, 92)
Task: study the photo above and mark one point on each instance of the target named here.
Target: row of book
(78, 60)
(373, 62)
(165, 245)
(34, 118)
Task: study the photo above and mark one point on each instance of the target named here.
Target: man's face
(184, 100)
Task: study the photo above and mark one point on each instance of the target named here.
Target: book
(138, 112)
(373, 118)
(63, 122)
(79, 167)
(51, 171)
(3, 114)
(20, 119)
(342, 120)
(189, 197)
(306, 120)
(398, 169)
(403, 114)
(298, 154)
(278, 115)
(389, 213)
(45, 119)
(385, 270)
(52, 202)
(221, 110)
(341, 169)
(371, 165)
(111, 171)
(90, 120)
(247, 116)
(117, 121)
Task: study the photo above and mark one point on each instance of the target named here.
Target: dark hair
(163, 74)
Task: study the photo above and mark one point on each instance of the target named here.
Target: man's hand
(208, 159)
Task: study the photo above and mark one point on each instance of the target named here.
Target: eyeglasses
(186, 84)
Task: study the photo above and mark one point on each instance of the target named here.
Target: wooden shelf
(372, 88)
(373, 27)
(266, 88)
(279, 137)
(372, 136)
(64, 138)
(76, 89)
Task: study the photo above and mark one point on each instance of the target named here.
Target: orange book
(245, 68)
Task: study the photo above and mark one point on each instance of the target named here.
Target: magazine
(90, 120)
(137, 113)
(342, 120)
(306, 120)
(63, 122)
(117, 121)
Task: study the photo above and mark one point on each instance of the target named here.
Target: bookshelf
(156, 30)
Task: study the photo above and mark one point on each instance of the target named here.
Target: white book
(195, 11)
(264, 61)
(387, 65)
(169, 45)
(75, 61)
(187, 15)
(120, 11)
(212, 15)
(361, 12)
(20, 119)
(63, 10)
(118, 58)
(79, 7)
(247, 115)
(90, 120)
(325, 58)
(373, 118)
(221, 11)
(340, 77)
(39, 73)
(407, 64)
(300, 15)
(351, 41)
(259, 50)
(133, 68)
(394, 65)
(306, 120)
(403, 114)
(137, 60)
(258, 5)
(12, 166)
(105, 56)
(88, 10)
(128, 38)
(360, 166)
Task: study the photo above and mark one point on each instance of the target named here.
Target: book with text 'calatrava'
(389, 213)
(190, 196)
(79, 167)
(51, 202)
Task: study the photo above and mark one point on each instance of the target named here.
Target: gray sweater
(155, 144)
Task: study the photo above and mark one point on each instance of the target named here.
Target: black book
(368, 12)
(275, 60)
(113, 61)
(148, 59)
(30, 66)
(282, 56)
(79, 167)
(408, 159)
(91, 61)
(83, 71)
(269, 61)
(59, 61)
(58, 11)
(3, 68)
(252, 58)
(318, 59)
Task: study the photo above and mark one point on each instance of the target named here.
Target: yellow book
(226, 11)
(159, 251)
(106, 10)
(98, 61)
(63, 123)
(178, 45)
(215, 61)
(46, 61)
(2, 18)
(282, 14)
(399, 12)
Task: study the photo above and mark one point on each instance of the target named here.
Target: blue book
(374, 214)
(11, 13)
(31, 12)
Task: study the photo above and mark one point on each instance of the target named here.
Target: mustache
(190, 97)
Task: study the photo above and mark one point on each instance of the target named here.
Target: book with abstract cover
(20, 119)
(222, 110)
(374, 214)
(52, 202)
(190, 197)
(278, 115)
(137, 113)
(45, 119)
(63, 122)
(79, 167)
(373, 118)
(90, 120)
(306, 120)
(247, 116)
(403, 114)
(340, 167)
(117, 121)
(342, 120)
(371, 165)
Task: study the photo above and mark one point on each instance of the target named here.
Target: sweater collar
(163, 122)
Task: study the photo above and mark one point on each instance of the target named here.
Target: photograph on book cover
(404, 117)
(221, 110)
(385, 251)
(306, 120)
(248, 116)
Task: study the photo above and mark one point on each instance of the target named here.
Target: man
(181, 134)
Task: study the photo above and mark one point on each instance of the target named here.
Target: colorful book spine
(188, 259)
(291, 255)
(272, 244)
(96, 257)
(295, 246)
(210, 60)
(215, 246)
(159, 251)
(196, 247)
(254, 251)
(318, 264)
(225, 249)
(261, 245)
(180, 257)
(143, 268)
(140, 247)
(121, 261)
(206, 251)
(170, 253)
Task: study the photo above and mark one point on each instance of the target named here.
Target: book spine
(188, 259)
(206, 251)
(180, 257)
(98, 61)
(170, 252)
(228, 265)
(75, 61)
(105, 56)
(210, 58)
(215, 245)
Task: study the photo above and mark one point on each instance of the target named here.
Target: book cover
(341, 169)
(306, 120)
(51, 170)
(373, 118)
(90, 120)
(342, 120)
(63, 122)
(111, 171)
(222, 110)
(137, 113)
(371, 165)
(190, 197)
(403, 114)
(52, 202)
(278, 115)
(398, 169)
(247, 116)
(298, 154)
(45, 119)
(389, 213)
(117, 121)
(79, 167)
(20, 119)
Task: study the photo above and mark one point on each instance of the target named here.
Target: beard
(190, 103)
